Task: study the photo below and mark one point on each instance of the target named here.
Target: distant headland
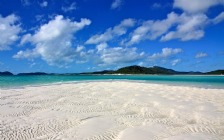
(126, 70)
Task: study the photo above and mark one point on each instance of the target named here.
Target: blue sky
(90, 35)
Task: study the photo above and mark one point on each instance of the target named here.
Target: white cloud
(153, 29)
(190, 27)
(166, 52)
(53, 42)
(9, 31)
(69, 8)
(80, 48)
(111, 33)
(195, 6)
(117, 55)
(26, 38)
(44, 4)
(116, 4)
(218, 18)
(200, 55)
(183, 27)
(175, 62)
(29, 54)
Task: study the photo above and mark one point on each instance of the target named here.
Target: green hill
(216, 72)
(6, 73)
(128, 70)
(144, 70)
(32, 73)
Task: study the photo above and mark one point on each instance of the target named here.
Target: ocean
(186, 80)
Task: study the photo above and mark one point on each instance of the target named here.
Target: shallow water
(187, 80)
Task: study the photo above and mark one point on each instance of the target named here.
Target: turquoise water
(201, 81)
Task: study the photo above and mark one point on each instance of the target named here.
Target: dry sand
(116, 110)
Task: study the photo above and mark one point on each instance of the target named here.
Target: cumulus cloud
(183, 27)
(153, 29)
(186, 26)
(69, 8)
(25, 38)
(53, 42)
(117, 55)
(9, 31)
(200, 55)
(29, 54)
(190, 27)
(166, 52)
(175, 62)
(196, 6)
(116, 4)
(111, 33)
(44, 4)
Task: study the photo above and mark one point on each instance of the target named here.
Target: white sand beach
(112, 110)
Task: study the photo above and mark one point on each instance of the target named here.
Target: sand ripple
(116, 110)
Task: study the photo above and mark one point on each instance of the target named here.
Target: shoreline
(182, 84)
(174, 80)
(121, 74)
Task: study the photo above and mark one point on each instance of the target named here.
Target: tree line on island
(127, 70)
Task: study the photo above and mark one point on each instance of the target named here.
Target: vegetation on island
(32, 73)
(127, 70)
(216, 72)
(5, 73)
(143, 70)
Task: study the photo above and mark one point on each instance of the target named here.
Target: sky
(71, 36)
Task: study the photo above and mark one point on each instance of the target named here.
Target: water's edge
(8, 82)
